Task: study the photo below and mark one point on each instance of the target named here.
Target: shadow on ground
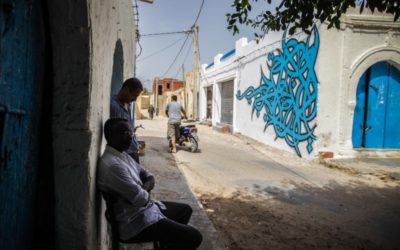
(336, 217)
(171, 185)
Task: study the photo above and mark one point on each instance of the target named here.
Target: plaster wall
(93, 46)
(244, 68)
(367, 39)
(343, 56)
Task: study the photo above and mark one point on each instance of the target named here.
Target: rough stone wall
(93, 45)
(112, 61)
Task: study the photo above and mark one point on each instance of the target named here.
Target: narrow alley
(265, 199)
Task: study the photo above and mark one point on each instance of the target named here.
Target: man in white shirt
(173, 112)
(139, 218)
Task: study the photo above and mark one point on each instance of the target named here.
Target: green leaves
(302, 14)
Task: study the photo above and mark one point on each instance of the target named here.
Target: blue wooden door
(392, 121)
(376, 116)
(21, 57)
(359, 113)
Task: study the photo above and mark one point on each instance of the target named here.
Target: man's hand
(148, 185)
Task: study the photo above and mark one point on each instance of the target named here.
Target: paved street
(351, 211)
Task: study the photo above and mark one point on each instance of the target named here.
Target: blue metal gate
(21, 44)
(376, 115)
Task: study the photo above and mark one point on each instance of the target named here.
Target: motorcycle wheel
(194, 144)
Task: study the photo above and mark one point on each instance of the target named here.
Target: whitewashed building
(333, 91)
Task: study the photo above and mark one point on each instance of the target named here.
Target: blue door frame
(376, 115)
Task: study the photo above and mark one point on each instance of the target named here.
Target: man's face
(133, 94)
(122, 136)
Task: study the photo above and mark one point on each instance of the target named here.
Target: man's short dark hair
(133, 83)
(174, 97)
(110, 126)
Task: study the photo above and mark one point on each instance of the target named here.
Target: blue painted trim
(224, 57)
(210, 65)
(228, 54)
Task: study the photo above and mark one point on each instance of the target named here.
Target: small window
(168, 85)
(160, 90)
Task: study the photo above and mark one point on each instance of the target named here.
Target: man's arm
(149, 183)
(166, 110)
(184, 112)
(121, 182)
(147, 179)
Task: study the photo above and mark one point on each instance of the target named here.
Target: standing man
(120, 107)
(173, 112)
(151, 112)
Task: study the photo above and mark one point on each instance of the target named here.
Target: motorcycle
(188, 138)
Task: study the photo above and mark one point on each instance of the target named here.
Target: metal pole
(195, 69)
(184, 88)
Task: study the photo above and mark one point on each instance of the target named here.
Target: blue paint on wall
(288, 95)
(228, 54)
(210, 65)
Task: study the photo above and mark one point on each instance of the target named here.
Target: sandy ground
(331, 220)
(300, 207)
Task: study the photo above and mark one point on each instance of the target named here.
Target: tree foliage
(145, 91)
(298, 14)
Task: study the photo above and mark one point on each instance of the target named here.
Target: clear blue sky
(178, 15)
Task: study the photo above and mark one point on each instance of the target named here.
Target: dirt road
(270, 200)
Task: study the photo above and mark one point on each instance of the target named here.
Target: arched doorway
(376, 115)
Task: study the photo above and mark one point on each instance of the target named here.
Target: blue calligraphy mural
(288, 95)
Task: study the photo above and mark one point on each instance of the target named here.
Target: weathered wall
(93, 48)
(367, 40)
(341, 57)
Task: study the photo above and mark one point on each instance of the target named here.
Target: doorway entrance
(376, 115)
(209, 102)
(227, 102)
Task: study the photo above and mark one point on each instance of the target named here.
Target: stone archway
(357, 69)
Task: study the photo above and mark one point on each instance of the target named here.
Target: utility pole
(196, 75)
(184, 88)
(156, 92)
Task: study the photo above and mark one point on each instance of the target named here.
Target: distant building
(167, 84)
(163, 89)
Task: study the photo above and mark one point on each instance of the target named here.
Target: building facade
(162, 91)
(60, 63)
(334, 91)
(166, 84)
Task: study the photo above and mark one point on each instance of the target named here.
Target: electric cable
(184, 60)
(176, 57)
(168, 33)
(198, 14)
(161, 50)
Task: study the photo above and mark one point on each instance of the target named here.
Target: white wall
(84, 37)
(343, 57)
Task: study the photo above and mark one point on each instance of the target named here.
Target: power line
(184, 60)
(180, 51)
(161, 50)
(198, 14)
(168, 33)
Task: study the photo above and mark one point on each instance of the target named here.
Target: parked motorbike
(188, 138)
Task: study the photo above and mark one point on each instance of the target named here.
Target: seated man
(139, 218)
